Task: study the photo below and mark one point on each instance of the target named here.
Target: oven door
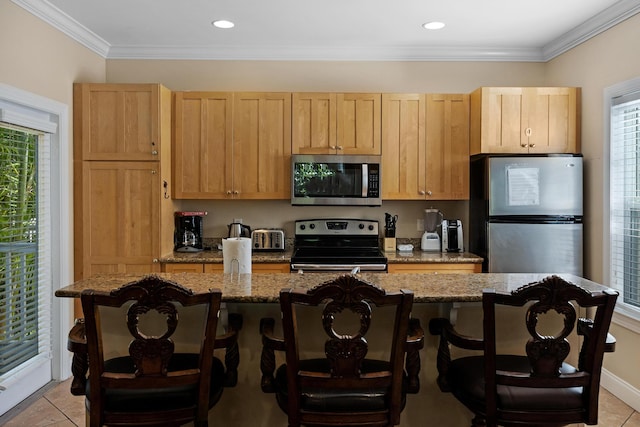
(338, 259)
(353, 268)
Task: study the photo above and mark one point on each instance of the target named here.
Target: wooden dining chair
(537, 387)
(339, 383)
(159, 379)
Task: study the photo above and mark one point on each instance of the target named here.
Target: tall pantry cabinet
(122, 168)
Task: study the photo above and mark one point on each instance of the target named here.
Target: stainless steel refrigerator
(526, 213)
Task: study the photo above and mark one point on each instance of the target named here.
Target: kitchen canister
(236, 255)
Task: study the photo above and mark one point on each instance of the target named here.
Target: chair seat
(157, 400)
(354, 400)
(466, 378)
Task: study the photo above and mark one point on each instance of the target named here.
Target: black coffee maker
(188, 233)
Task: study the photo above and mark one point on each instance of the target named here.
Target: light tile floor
(55, 406)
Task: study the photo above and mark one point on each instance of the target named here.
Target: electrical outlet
(420, 225)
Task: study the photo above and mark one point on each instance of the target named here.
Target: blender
(430, 239)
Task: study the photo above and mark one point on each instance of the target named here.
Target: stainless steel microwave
(342, 180)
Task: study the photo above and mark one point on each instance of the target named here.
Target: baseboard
(621, 389)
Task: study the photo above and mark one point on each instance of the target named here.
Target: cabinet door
(117, 121)
(117, 222)
(202, 153)
(262, 146)
(447, 146)
(183, 268)
(270, 268)
(436, 268)
(550, 119)
(358, 123)
(314, 123)
(496, 121)
(403, 147)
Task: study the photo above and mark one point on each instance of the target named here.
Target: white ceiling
(509, 30)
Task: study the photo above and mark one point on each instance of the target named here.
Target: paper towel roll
(236, 255)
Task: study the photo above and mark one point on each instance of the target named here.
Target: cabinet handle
(532, 145)
(228, 192)
(165, 185)
(333, 147)
(154, 152)
(422, 192)
(339, 147)
(236, 192)
(153, 172)
(523, 145)
(429, 193)
(155, 260)
(527, 131)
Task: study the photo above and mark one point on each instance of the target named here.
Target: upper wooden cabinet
(123, 212)
(336, 123)
(425, 150)
(118, 121)
(232, 145)
(525, 120)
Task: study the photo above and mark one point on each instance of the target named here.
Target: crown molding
(606, 19)
(317, 53)
(69, 26)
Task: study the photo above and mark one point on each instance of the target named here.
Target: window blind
(624, 194)
(25, 273)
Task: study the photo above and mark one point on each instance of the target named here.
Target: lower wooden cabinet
(219, 268)
(183, 268)
(435, 268)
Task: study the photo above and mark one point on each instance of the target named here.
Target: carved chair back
(547, 354)
(161, 385)
(346, 366)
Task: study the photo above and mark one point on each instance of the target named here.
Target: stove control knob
(370, 227)
(361, 226)
(312, 226)
(302, 226)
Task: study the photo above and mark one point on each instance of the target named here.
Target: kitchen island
(255, 296)
(264, 287)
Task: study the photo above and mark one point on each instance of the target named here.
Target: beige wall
(603, 61)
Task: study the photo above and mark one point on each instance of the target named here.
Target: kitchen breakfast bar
(255, 296)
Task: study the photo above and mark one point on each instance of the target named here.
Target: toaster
(267, 239)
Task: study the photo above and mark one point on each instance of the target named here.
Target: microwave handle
(365, 180)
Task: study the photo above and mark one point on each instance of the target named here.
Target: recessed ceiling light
(223, 24)
(435, 25)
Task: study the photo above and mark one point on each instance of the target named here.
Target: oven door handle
(338, 267)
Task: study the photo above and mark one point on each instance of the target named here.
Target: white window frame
(23, 103)
(625, 314)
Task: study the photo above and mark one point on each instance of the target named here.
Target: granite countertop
(265, 287)
(215, 257)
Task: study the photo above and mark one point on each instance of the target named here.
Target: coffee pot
(238, 229)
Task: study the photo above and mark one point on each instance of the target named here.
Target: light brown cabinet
(336, 123)
(119, 122)
(525, 120)
(123, 215)
(219, 268)
(425, 151)
(436, 268)
(232, 145)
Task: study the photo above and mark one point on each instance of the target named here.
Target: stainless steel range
(337, 245)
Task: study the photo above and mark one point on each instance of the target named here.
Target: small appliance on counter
(238, 229)
(452, 239)
(267, 239)
(390, 232)
(187, 236)
(430, 239)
